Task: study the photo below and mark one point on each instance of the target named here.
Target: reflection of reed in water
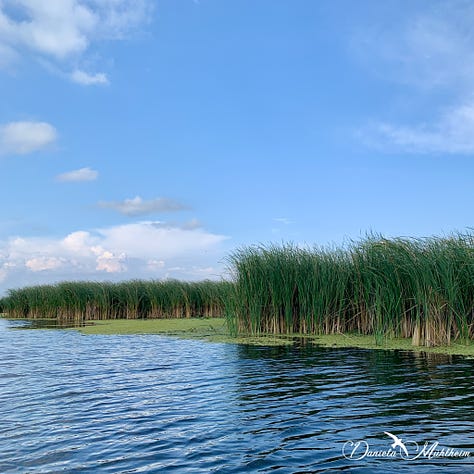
(310, 400)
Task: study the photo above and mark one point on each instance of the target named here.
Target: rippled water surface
(129, 404)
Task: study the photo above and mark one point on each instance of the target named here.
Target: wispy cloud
(452, 132)
(63, 31)
(21, 138)
(143, 249)
(431, 51)
(82, 77)
(82, 174)
(140, 207)
(430, 48)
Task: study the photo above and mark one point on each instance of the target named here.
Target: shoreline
(215, 330)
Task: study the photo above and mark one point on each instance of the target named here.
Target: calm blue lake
(138, 404)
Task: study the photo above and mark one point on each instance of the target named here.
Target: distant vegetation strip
(404, 287)
(135, 299)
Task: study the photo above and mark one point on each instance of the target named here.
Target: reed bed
(418, 288)
(412, 288)
(136, 299)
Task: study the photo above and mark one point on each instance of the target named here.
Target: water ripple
(132, 404)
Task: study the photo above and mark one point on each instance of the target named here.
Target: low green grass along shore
(215, 330)
(208, 329)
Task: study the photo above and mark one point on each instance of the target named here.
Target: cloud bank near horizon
(149, 249)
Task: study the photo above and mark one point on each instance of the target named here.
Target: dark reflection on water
(48, 324)
(72, 403)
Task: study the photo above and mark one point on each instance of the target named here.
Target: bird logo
(397, 442)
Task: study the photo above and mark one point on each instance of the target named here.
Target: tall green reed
(418, 288)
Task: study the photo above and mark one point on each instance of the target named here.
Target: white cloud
(139, 250)
(139, 207)
(82, 174)
(145, 239)
(76, 243)
(453, 132)
(40, 264)
(21, 138)
(64, 30)
(57, 28)
(111, 263)
(81, 77)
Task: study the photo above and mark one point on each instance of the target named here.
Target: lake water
(132, 404)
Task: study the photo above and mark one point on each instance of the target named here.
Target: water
(130, 404)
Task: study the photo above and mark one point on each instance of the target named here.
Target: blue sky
(151, 138)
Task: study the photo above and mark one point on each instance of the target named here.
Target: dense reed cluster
(81, 301)
(419, 288)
